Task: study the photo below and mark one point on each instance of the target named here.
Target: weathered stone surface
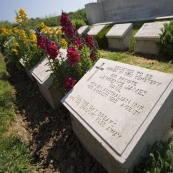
(83, 30)
(119, 36)
(95, 30)
(146, 37)
(42, 74)
(117, 110)
(150, 30)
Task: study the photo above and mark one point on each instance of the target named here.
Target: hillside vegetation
(48, 21)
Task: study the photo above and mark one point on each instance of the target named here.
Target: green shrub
(38, 27)
(101, 38)
(160, 159)
(79, 14)
(78, 23)
(136, 27)
(165, 42)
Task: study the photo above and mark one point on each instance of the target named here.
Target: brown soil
(49, 133)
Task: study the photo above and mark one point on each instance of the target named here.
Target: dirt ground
(49, 133)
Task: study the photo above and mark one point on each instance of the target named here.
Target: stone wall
(127, 10)
(94, 12)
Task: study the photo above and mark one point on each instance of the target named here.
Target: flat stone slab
(146, 37)
(119, 106)
(41, 71)
(119, 30)
(83, 30)
(95, 30)
(150, 31)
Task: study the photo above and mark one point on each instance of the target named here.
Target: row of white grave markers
(120, 34)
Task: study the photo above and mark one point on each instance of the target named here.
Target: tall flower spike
(52, 50)
(89, 41)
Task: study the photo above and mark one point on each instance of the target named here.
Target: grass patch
(14, 157)
(166, 67)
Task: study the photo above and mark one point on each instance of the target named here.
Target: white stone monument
(83, 30)
(42, 74)
(95, 30)
(117, 110)
(119, 36)
(146, 37)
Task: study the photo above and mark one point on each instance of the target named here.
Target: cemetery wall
(125, 10)
(94, 12)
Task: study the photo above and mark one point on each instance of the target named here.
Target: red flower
(67, 26)
(69, 30)
(49, 46)
(1, 31)
(89, 41)
(73, 56)
(69, 82)
(64, 19)
(92, 55)
(41, 41)
(52, 50)
(78, 43)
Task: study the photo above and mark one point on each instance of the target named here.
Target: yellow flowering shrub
(54, 35)
(15, 51)
(23, 43)
(64, 43)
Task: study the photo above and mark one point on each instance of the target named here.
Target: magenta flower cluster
(73, 56)
(49, 46)
(79, 48)
(67, 26)
(73, 52)
(69, 82)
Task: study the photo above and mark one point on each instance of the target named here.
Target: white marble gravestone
(146, 37)
(95, 30)
(119, 36)
(117, 110)
(42, 74)
(83, 30)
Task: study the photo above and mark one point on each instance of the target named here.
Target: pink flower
(69, 82)
(73, 56)
(78, 43)
(89, 41)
